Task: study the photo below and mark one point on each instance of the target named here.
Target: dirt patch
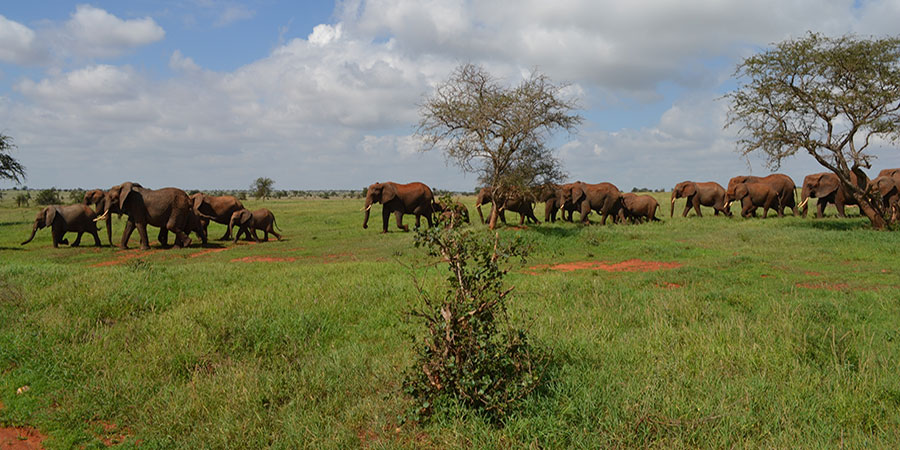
(338, 257)
(111, 434)
(126, 255)
(812, 274)
(207, 252)
(825, 286)
(632, 265)
(667, 285)
(266, 259)
(21, 438)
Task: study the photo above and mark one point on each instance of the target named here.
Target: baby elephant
(638, 208)
(61, 219)
(754, 195)
(249, 222)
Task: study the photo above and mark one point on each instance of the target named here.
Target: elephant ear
(388, 192)
(885, 185)
(127, 188)
(828, 185)
(577, 192)
(49, 215)
(689, 190)
(198, 201)
(246, 215)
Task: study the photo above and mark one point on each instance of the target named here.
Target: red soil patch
(632, 265)
(207, 252)
(812, 274)
(667, 285)
(826, 286)
(126, 255)
(111, 434)
(337, 257)
(20, 438)
(263, 259)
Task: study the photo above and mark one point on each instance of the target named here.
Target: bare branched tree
(829, 97)
(10, 169)
(496, 131)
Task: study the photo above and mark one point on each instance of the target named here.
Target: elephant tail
(275, 224)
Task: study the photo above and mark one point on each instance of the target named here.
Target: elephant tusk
(803, 203)
(368, 207)
(673, 200)
(103, 217)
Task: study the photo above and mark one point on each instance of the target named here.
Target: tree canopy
(10, 169)
(262, 187)
(830, 97)
(497, 131)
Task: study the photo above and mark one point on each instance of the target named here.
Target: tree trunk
(871, 212)
(494, 214)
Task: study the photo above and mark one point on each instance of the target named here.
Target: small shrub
(470, 353)
(48, 197)
(23, 199)
(76, 195)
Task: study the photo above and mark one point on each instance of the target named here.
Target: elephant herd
(173, 210)
(776, 192)
(169, 209)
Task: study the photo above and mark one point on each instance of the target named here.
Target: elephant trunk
(366, 218)
(672, 210)
(804, 198)
(33, 231)
(109, 229)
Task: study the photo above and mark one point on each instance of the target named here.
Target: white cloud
(18, 43)
(336, 109)
(92, 32)
(234, 13)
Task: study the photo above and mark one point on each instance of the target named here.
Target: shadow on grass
(833, 224)
(2, 247)
(557, 232)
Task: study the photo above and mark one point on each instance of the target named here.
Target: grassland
(764, 333)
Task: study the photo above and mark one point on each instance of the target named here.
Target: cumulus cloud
(336, 108)
(18, 43)
(92, 32)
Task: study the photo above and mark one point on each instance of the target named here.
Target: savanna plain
(698, 332)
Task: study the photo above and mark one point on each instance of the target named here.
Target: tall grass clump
(470, 352)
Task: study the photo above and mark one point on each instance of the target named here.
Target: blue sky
(323, 95)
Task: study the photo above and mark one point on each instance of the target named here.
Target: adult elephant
(549, 195)
(62, 219)
(889, 189)
(97, 198)
(485, 197)
(604, 198)
(708, 193)
(399, 199)
(638, 208)
(754, 195)
(782, 184)
(218, 208)
(520, 203)
(827, 188)
(168, 208)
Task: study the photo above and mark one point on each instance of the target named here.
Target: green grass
(771, 333)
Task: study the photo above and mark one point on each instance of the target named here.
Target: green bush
(48, 197)
(470, 354)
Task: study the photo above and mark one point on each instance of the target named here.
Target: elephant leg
(399, 216)
(78, 239)
(385, 216)
(255, 236)
(840, 208)
(96, 238)
(126, 234)
(56, 234)
(418, 220)
(163, 237)
(274, 233)
(696, 202)
(687, 209)
(429, 219)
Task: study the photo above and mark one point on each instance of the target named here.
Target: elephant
(168, 208)
(604, 198)
(827, 188)
(889, 189)
(413, 198)
(220, 208)
(65, 218)
(638, 208)
(455, 211)
(515, 201)
(893, 173)
(754, 195)
(709, 193)
(549, 194)
(782, 184)
(97, 198)
(248, 222)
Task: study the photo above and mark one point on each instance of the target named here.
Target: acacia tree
(262, 188)
(830, 97)
(10, 169)
(497, 131)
